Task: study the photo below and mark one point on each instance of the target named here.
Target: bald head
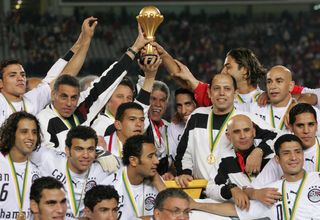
(281, 69)
(241, 132)
(279, 86)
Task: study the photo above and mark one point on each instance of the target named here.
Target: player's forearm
(158, 183)
(309, 98)
(250, 192)
(75, 64)
(222, 209)
(148, 83)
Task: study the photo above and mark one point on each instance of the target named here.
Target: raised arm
(81, 47)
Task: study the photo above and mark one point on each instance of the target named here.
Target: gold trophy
(149, 18)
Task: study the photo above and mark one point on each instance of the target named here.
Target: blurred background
(198, 33)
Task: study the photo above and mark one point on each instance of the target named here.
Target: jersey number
(4, 192)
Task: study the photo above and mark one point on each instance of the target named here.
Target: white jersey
(273, 172)
(55, 128)
(143, 195)
(9, 205)
(194, 147)
(175, 132)
(313, 91)
(266, 112)
(308, 205)
(53, 163)
(114, 145)
(34, 100)
(247, 98)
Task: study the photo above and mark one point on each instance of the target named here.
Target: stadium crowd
(100, 148)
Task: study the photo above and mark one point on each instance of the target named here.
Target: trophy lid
(150, 10)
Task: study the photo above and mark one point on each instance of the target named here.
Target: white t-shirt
(53, 163)
(36, 99)
(175, 131)
(9, 205)
(278, 114)
(144, 195)
(308, 206)
(273, 172)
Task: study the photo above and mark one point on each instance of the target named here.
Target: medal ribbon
(13, 109)
(273, 124)
(74, 206)
(110, 144)
(20, 195)
(295, 204)
(318, 157)
(156, 131)
(130, 194)
(213, 142)
(75, 118)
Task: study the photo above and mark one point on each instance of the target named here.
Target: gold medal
(21, 216)
(211, 159)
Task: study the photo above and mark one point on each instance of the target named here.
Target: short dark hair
(133, 147)
(169, 193)
(124, 106)
(286, 138)
(81, 132)
(42, 183)
(66, 80)
(5, 63)
(99, 193)
(185, 91)
(244, 57)
(234, 82)
(299, 109)
(9, 128)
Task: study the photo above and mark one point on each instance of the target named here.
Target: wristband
(134, 53)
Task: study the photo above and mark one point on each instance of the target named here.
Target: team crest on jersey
(149, 201)
(314, 194)
(90, 184)
(34, 177)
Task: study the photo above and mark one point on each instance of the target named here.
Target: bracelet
(134, 53)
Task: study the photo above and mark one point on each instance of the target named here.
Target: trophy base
(148, 57)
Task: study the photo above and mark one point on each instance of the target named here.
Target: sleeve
(57, 68)
(265, 136)
(94, 98)
(201, 95)
(217, 186)
(143, 99)
(256, 211)
(270, 173)
(297, 90)
(315, 92)
(183, 160)
(39, 97)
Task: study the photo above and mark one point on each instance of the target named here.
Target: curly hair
(9, 128)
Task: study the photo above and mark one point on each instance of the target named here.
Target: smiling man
(303, 123)
(299, 189)
(76, 168)
(19, 136)
(138, 182)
